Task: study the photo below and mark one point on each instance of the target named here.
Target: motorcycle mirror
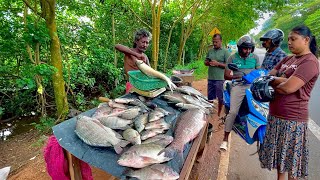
(233, 67)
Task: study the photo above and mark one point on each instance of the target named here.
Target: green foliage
(45, 124)
(85, 32)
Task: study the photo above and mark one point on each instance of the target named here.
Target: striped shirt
(271, 59)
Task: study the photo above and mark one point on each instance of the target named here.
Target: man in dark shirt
(271, 40)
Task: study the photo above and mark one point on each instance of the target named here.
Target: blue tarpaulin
(106, 158)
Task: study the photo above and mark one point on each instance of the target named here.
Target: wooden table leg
(74, 167)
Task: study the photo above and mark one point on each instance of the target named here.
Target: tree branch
(32, 9)
(137, 16)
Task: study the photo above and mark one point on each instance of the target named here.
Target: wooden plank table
(76, 149)
(195, 152)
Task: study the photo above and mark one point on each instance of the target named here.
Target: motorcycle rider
(271, 40)
(246, 61)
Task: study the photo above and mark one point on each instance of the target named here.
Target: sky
(260, 22)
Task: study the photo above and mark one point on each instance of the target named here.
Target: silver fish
(161, 139)
(158, 124)
(165, 112)
(123, 100)
(189, 124)
(155, 115)
(142, 155)
(150, 133)
(102, 111)
(130, 113)
(190, 91)
(140, 122)
(193, 100)
(191, 106)
(116, 105)
(114, 122)
(149, 71)
(132, 136)
(93, 133)
(154, 172)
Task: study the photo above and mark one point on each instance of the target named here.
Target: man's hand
(214, 63)
(141, 57)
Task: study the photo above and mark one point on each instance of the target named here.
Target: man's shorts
(215, 90)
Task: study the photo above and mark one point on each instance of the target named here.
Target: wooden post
(74, 167)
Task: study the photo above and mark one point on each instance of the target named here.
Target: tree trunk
(114, 41)
(48, 12)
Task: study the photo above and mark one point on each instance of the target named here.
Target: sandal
(224, 146)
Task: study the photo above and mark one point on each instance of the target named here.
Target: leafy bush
(45, 124)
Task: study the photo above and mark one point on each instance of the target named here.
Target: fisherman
(246, 61)
(142, 38)
(271, 40)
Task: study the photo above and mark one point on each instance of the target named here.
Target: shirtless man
(141, 42)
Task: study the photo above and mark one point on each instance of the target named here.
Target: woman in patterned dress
(285, 146)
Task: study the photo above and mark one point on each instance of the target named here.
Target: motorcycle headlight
(262, 109)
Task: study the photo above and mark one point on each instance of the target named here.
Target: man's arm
(126, 50)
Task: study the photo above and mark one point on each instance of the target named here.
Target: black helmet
(261, 90)
(245, 42)
(276, 36)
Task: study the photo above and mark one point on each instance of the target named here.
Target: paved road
(243, 166)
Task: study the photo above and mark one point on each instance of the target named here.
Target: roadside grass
(201, 71)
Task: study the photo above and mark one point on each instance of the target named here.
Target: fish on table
(132, 136)
(161, 139)
(154, 172)
(93, 133)
(140, 122)
(142, 155)
(188, 126)
(115, 122)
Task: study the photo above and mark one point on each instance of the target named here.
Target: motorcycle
(251, 120)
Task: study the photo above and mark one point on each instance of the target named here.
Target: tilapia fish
(132, 136)
(150, 133)
(192, 106)
(155, 115)
(93, 133)
(102, 111)
(158, 124)
(189, 124)
(142, 155)
(114, 122)
(113, 104)
(140, 122)
(190, 91)
(130, 113)
(154, 172)
(161, 139)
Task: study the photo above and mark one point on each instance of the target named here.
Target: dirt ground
(24, 154)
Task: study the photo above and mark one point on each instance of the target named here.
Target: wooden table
(74, 148)
(196, 152)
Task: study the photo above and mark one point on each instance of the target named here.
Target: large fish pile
(142, 124)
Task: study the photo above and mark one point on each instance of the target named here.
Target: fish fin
(169, 152)
(119, 147)
(149, 159)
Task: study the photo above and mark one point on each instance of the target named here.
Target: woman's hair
(140, 34)
(306, 32)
